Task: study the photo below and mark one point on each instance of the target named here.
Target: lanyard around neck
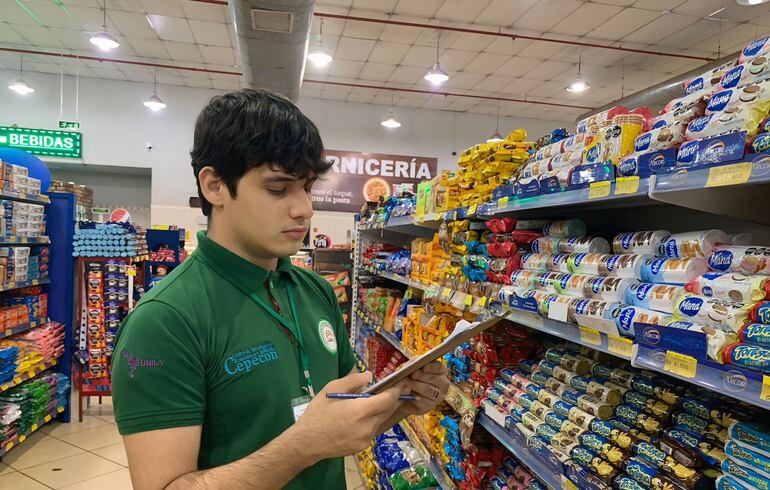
(292, 327)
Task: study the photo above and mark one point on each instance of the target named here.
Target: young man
(214, 367)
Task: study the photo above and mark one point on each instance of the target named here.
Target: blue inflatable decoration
(37, 169)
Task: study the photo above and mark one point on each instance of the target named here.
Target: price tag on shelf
(17, 380)
(680, 364)
(626, 185)
(445, 293)
(8, 446)
(31, 373)
(598, 190)
(590, 336)
(619, 345)
(22, 438)
(736, 173)
(502, 203)
(765, 393)
(468, 300)
(482, 302)
(472, 210)
(33, 428)
(566, 484)
(8, 332)
(47, 418)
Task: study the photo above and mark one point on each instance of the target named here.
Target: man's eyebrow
(281, 178)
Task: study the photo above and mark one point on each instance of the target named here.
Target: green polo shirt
(197, 350)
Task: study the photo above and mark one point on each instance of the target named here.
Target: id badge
(298, 406)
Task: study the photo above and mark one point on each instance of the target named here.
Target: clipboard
(462, 333)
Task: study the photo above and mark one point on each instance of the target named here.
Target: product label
(690, 306)
(698, 125)
(672, 248)
(719, 101)
(657, 162)
(687, 152)
(642, 290)
(625, 240)
(628, 166)
(761, 143)
(731, 78)
(694, 86)
(643, 142)
(626, 319)
(755, 47)
(720, 260)
(612, 262)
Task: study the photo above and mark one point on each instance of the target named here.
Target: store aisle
(85, 456)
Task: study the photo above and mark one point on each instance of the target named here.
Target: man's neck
(235, 246)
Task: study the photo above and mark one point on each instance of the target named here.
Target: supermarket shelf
(21, 328)
(8, 286)
(727, 190)
(24, 197)
(613, 196)
(742, 384)
(443, 479)
(29, 374)
(22, 240)
(546, 474)
(20, 438)
(600, 341)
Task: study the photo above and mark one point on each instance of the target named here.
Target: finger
(425, 390)
(383, 402)
(435, 368)
(352, 383)
(427, 377)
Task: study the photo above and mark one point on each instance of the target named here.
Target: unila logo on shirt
(136, 362)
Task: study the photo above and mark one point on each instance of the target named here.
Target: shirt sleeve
(344, 348)
(158, 371)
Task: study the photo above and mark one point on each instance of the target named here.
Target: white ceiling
(194, 34)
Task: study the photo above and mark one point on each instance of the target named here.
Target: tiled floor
(85, 456)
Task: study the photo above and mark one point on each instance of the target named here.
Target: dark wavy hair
(242, 130)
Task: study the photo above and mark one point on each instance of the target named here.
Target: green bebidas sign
(46, 142)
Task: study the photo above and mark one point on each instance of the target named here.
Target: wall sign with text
(357, 177)
(45, 142)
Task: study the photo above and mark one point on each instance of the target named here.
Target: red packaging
(501, 225)
(505, 249)
(525, 237)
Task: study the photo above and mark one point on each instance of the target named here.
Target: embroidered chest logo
(136, 362)
(247, 359)
(328, 339)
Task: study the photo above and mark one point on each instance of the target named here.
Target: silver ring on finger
(436, 393)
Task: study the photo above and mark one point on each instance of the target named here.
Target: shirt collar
(237, 269)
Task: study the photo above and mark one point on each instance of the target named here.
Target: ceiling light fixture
(436, 76)
(579, 85)
(21, 86)
(103, 40)
(496, 136)
(750, 2)
(155, 103)
(391, 122)
(319, 56)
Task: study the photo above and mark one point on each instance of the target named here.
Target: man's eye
(277, 192)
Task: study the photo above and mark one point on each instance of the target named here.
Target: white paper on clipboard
(462, 332)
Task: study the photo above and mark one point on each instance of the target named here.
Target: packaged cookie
(755, 333)
(568, 362)
(574, 414)
(613, 289)
(594, 308)
(566, 228)
(637, 418)
(752, 96)
(601, 446)
(758, 47)
(639, 242)
(524, 279)
(727, 482)
(747, 260)
(669, 394)
(661, 138)
(643, 476)
(731, 286)
(752, 71)
(584, 263)
(748, 456)
(535, 262)
(583, 244)
(760, 313)
(713, 312)
(710, 454)
(626, 265)
(657, 408)
(673, 271)
(658, 297)
(747, 355)
(731, 120)
(546, 245)
(573, 284)
(753, 436)
(697, 244)
(588, 459)
(558, 263)
(546, 281)
(626, 316)
(744, 473)
(609, 430)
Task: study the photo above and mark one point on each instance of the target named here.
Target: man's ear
(213, 187)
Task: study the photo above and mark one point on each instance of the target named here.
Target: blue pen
(353, 396)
